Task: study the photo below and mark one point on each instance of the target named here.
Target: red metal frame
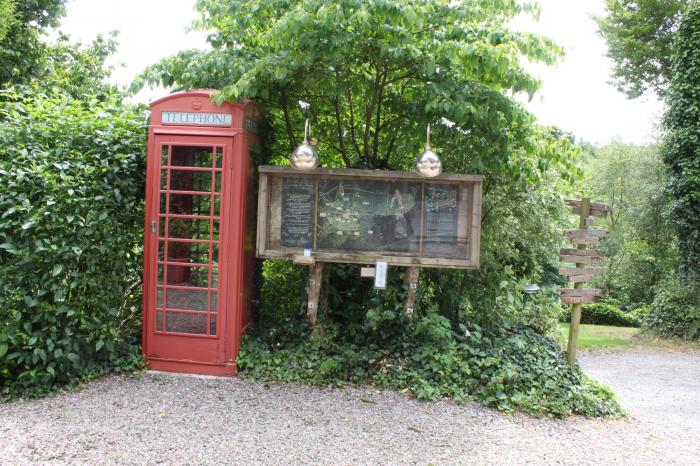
(208, 352)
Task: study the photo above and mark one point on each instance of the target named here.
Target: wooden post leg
(315, 275)
(411, 279)
(576, 308)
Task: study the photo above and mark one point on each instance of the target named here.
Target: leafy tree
(641, 248)
(20, 44)
(681, 150)
(7, 17)
(374, 74)
(639, 34)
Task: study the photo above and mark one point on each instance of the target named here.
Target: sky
(575, 94)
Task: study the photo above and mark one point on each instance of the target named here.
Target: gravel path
(182, 420)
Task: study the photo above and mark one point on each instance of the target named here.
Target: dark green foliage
(681, 145)
(603, 313)
(675, 311)
(641, 249)
(70, 237)
(639, 34)
(508, 363)
(510, 369)
(21, 48)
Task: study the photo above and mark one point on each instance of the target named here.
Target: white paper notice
(380, 275)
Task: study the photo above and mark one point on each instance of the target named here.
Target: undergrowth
(511, 369)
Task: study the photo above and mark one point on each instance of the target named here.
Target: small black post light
(530, 290)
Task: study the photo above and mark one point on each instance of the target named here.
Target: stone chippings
(164, 419)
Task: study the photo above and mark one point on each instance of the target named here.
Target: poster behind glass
(365, 215)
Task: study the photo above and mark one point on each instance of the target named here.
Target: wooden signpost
(581, 237)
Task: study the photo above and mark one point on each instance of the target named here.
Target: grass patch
(602, 336)
(612, 337)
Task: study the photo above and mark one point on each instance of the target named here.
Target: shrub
(70, 215)
(510, 369)
(675, 311)
(603, 313)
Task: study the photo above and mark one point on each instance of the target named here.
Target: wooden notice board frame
(468, 212)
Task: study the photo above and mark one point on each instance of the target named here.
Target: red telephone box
(199, 232)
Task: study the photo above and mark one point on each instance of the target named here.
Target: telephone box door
(186, 221)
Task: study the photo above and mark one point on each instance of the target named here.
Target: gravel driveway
(182, 420)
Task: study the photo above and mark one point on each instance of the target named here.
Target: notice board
(361, 216)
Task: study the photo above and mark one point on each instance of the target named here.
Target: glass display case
(345, 215)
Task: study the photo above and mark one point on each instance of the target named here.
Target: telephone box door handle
(153, 226)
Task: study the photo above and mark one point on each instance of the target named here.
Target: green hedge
(675, 311)
(604, 314)
(71, 211)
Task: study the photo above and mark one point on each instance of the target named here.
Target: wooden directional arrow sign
(580, 274)
(579, 295)
(585, 236)
(598, 209)
(582, 256)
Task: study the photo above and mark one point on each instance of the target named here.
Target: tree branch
(341, 140)
(287, 121)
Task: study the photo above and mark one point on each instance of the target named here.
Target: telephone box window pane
(215, 253)
(213, 301)
(159, 300)
(217, 205)
(161, 274)
(163, 179)
(214, 277)
(217, 183)
(188, 300)
(188, 228)
(193, 253)
(164, 156)
(219, 157)
(183, 156)
(190, 180)
(186, 275)
(212, 324)
(159, 321)
(162, 204)
(181, 322)
(190, 204)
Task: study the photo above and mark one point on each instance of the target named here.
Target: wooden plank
(369, 258)
(581, 256)
(303, 260)
(580, 274)
(315, 275)
(475, 254)
(597, 209)
(580, 292)
(578, 299)
(364, 174)
(411, 280)
(581, 252)
(261, 243)
(583, 232)
(582, 236)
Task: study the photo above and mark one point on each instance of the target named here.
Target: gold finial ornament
(429, 163)
(304, 157)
